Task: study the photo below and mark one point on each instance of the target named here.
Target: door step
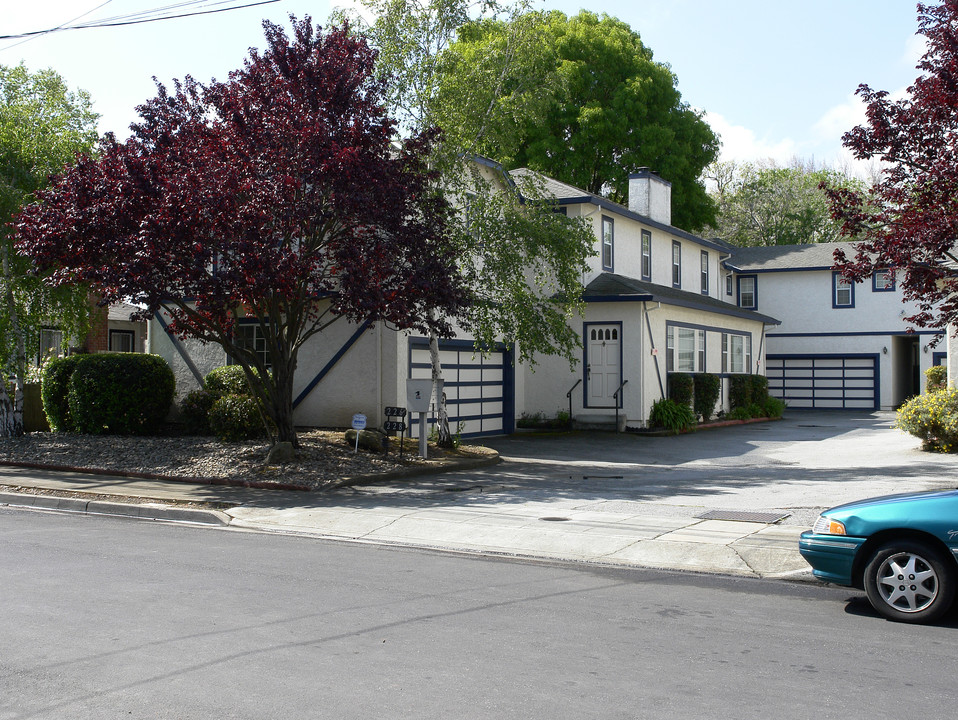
(598, 421)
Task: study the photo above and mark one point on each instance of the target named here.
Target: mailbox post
(418, 397)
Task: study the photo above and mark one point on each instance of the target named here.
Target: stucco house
(840, 345)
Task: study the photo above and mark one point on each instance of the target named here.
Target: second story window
(728, 283)
(843, 293)
(646, 255)
(883, 281)
(705, 273)
(676, 264)
(608, 242)
(747, 295)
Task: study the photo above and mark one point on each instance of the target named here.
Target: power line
(145, 16)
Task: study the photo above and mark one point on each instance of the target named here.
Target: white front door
(603, 371)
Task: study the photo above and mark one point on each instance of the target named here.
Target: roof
(121, 311)
(567, 194)
(777, 258)
(609, 287)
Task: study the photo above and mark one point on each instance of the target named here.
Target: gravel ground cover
(323, 460)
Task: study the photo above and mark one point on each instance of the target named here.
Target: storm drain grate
(743, 515)
(555, 519)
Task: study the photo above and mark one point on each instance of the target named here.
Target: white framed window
(736, 353)
(843, 292)
(747, 295)
(51, 343)
(676, 263)
(646, 255)
(883, 281)
(728, 284)
(685, 349)
(249, 337)
(122, 341)
(608, 243)
(705, 272)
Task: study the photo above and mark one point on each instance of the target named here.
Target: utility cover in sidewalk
(743, 516)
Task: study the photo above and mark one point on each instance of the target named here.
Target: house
(657, 302)
(840, 344)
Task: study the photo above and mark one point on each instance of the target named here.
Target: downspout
(655, 354)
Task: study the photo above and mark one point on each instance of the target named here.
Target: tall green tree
(521, 261)
(582, 100)
(768, 204)
(43, 126)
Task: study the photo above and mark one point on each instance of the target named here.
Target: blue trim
(851, 293)
(874, 333)
(645, 235)
(677, 284)
(738, 296)
(728, 284)
(939, 358)
(332, 362)
(875, 287)
(585, 363)
(638, 297)
(611, 264)
(757, 271)
(179, 348)
(828, 357)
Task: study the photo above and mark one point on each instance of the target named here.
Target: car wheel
(910, 581)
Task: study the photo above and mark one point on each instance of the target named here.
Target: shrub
(774, 407)
(740, 391)
(681, 388)
(739, 413)
(54, 386)
(120, 393)
(759, 388)
(932, 417)
(708, 387)
(195, 411)
(236, 417)
(936, 378)
(755, 410)
(672, 416)
(226, 380)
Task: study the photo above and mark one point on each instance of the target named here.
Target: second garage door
(841, 382)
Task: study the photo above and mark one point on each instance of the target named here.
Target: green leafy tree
(522, 262)
(767, 204)
(580, 99)
(43, 126)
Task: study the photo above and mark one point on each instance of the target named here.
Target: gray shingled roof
(817, 256)
(610, 287)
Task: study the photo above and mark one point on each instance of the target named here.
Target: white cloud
(915, 48)
(741, 144)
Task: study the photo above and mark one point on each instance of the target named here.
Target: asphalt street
(106, 617)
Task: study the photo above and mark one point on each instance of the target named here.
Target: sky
(776, 80)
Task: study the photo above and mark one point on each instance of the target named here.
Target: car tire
(910, 581)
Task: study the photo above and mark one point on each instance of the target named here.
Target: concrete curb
(441, 466)
(143, 511)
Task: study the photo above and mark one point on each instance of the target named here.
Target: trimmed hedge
(236, 417)
(110, 393)
(226, 380)
(681, 388)
(233, 421)
(708, 387)
(54, 386)
(746, 390)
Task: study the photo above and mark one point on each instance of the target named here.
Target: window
(747, 295)
(843, 292)
(676, 264)
(685, 349)
(883, 281)
(249, 337)
(705, 273)
(728, 283)
(608, 240)
(122, 341)
(646, 255)
(736, 353)
(51, 343)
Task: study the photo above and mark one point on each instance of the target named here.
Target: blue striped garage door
(823, 382)
(480, 391)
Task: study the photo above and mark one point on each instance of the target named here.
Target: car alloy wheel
(910, 581)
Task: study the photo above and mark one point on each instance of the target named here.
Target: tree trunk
(442, 416)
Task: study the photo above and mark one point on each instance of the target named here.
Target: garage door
(841, 382)
(480, 391)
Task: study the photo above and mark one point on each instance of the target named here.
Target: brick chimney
(651, 196)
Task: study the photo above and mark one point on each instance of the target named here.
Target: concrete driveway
(729, 500)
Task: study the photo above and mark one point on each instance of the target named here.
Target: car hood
(894, 499)
(933, 512)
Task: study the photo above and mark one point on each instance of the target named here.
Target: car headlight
(827, 526)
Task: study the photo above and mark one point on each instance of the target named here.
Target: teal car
(902, 550)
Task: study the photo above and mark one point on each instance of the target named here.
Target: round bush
(936, 378)
(195, 411)
(120, 393)
(933, 418)
(226, 380)
(236, 417)
(54, 388)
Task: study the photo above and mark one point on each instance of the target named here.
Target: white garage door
(480, 391)
(841, 382)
